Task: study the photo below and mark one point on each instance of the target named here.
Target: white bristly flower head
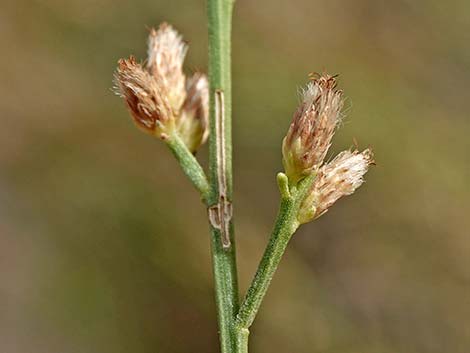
(314, 123)
(166, 53)
(193, 123)
(340, 177)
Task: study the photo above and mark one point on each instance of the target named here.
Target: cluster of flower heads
(164, 102)
(160, 98)
(307, 142)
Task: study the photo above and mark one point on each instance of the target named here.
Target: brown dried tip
(193, 123)
(340, 177)
(309, 136)
(166, 53)
(148, 106)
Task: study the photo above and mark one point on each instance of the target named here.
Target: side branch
(191, 167)
(285, 226)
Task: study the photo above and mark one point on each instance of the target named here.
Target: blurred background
(104, 244)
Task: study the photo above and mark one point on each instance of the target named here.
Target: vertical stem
(220, 175)
(220, 19)
(226, 291)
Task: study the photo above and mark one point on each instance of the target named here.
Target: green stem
(283, 230)
(242, 339)
(191, 167)
(224, 264)
(285, 226)
(220, 171)
(226, 290)
(220, 20)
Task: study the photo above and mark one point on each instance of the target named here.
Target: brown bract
(148, 105)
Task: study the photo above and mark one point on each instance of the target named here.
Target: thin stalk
(191, 167)
(220, 172)
(285, 226)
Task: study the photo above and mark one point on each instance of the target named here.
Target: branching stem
(233, 322)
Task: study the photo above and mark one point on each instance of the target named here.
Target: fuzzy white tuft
(338, 178)
(166, 53)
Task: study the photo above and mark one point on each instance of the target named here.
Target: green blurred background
(104, 244)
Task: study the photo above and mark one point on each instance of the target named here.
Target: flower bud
(193, 122)
(148, 105)
(340, 177)
(309, 136)
(166, 53)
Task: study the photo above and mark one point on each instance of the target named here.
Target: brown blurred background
(104, 244)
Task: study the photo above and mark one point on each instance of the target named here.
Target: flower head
(338, 178)
(193, 123)
(148, 105)
(160, 98)
(309, 136)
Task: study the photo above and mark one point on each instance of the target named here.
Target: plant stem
(285, 226)
(190, 165)
(220, 20)
(224, 265)
(220, 174)
(226, 290)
